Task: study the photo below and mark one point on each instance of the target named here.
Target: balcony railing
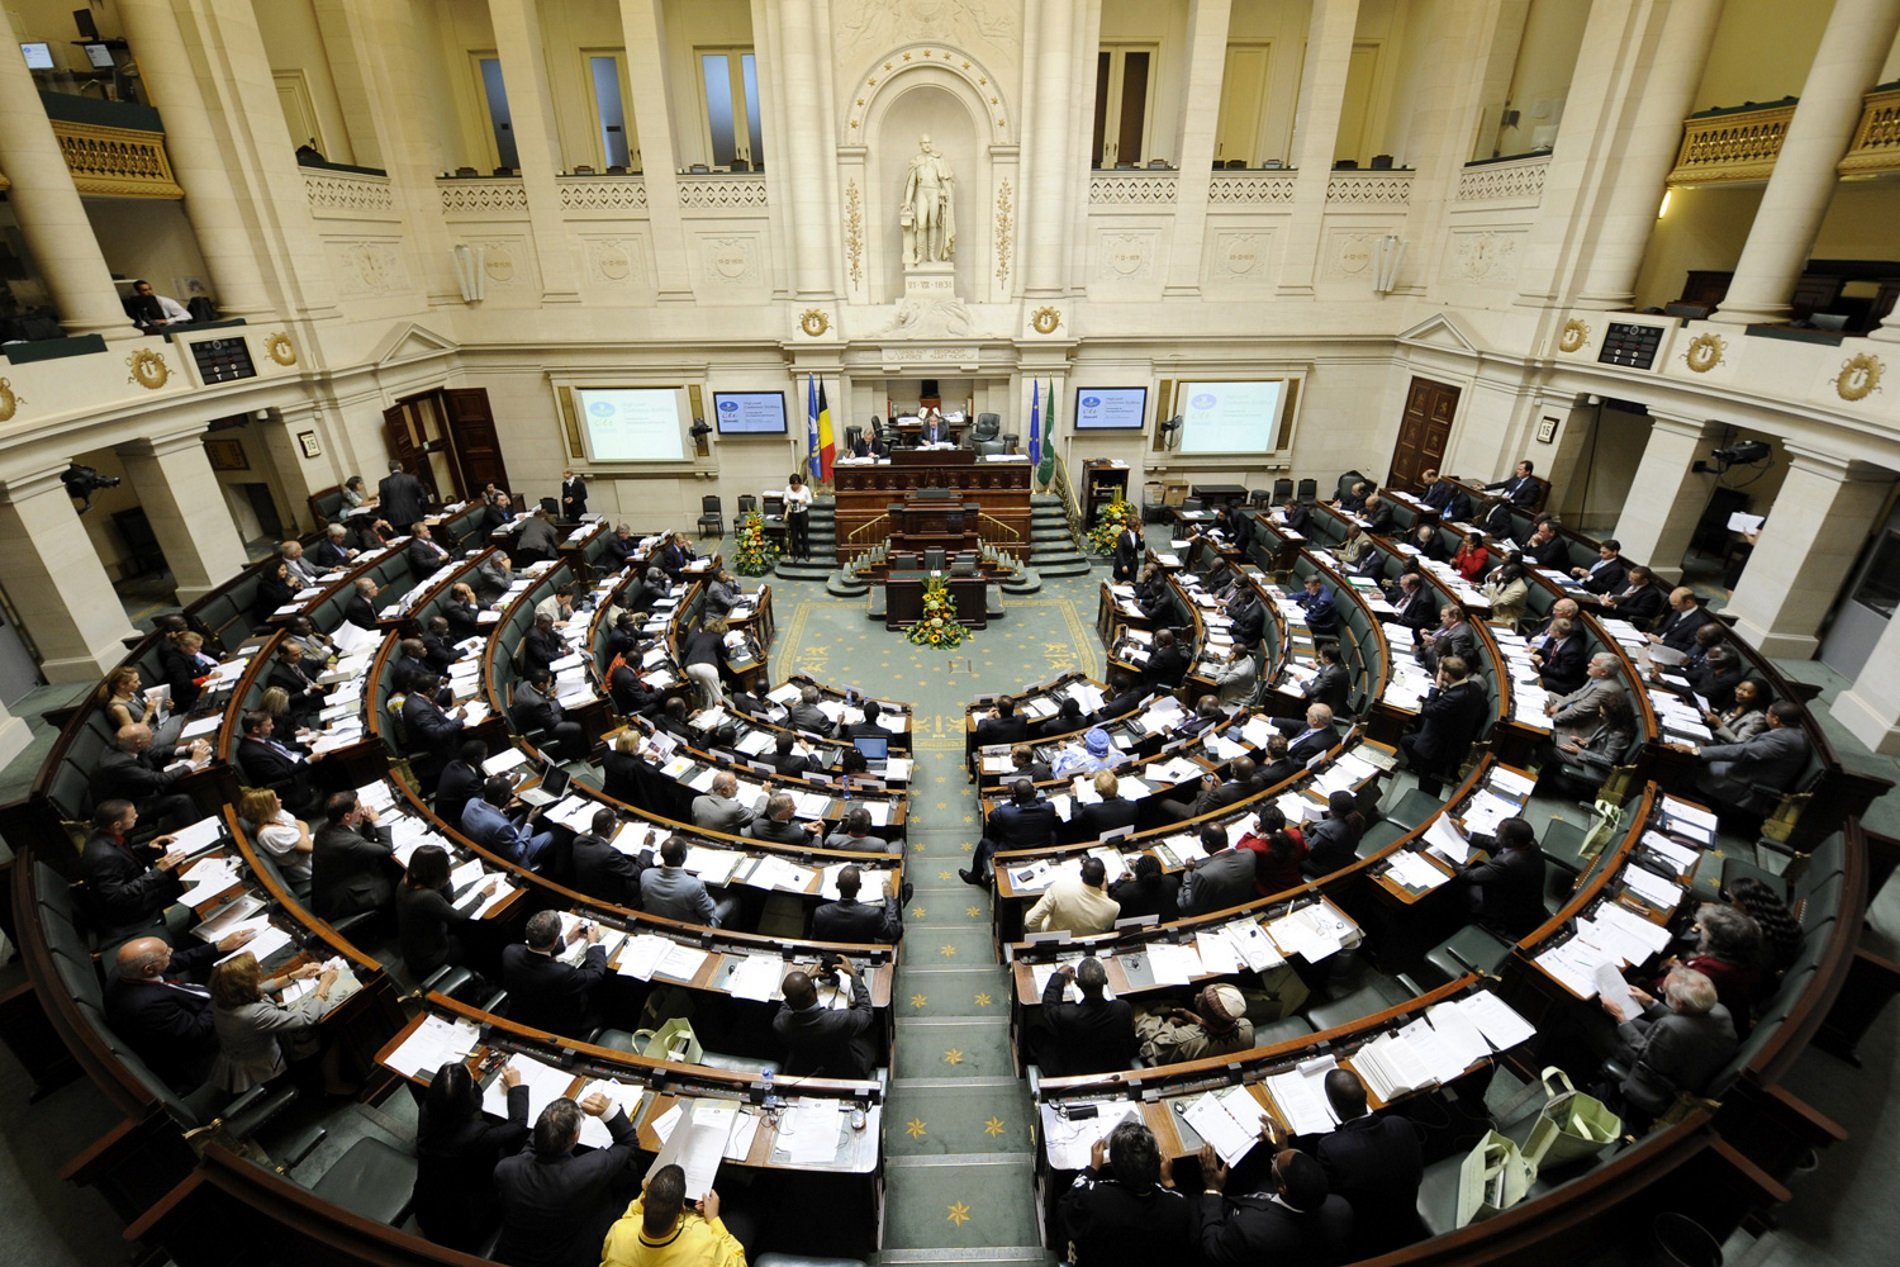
(1725, 146)
(1876, 146)
(114, 149)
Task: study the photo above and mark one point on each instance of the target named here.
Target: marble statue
(929, 217)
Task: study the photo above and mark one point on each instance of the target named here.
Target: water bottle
(771, 1094)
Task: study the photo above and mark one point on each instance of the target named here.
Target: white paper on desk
(1497, 1020)
(1486, 810)
(505, 760)
(1173, 965)
(1743, 522)
(1255, 947)
(207, 880)
(1069, 1140)
(203, 726)
(1444, 839)
(1460, 1034)
(267, 943)
(1301, 1099)
(436, 1042)
(1632, 936)
(1410, 869)
(545, 1084)
(774, 872)
(1215, 1125)
(744, 1130)
(871, 882)
(664, 1125)
(202, 834)
(698, 1144)
(503, 891)
(808, 1132)
(641, 956)
(232, 915)
(628, 1097)
(681, 963)
(1663, 894)
(756, 977)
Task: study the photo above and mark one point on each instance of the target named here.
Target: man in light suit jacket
(1222, 879)
(717, 810)
(1079, 905)
(1749, 773)
(672, 892)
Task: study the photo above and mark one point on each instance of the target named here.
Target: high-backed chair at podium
(986, 434)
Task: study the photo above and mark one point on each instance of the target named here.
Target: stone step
(1078, 568)
(1027, 581)
(844, 585)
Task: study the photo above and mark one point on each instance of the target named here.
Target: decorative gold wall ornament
(1045, 320)
(1575, 335)
(148, 369)
(814, 321)
(1005, 231)
(116, 162)
(1705, 352)
(1859, 377)
(9, 403)
(280, 349)
(854, 230)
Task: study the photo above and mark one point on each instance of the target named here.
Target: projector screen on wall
(633, 424)
(1234, 417)
(749, 413)
(1110, 408)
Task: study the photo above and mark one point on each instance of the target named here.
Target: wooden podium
(934, 519)
(873, 500)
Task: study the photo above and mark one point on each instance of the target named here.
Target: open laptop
(553, 786)
(877, 751)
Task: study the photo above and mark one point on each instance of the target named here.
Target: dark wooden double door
(447, 439)
(1424, 429)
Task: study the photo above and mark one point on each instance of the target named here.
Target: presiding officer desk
(864, 493)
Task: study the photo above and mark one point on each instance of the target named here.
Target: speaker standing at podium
(797, 504)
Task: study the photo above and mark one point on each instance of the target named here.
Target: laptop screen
(874, 749)
(554, 780)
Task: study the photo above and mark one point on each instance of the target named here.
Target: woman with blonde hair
(250, 1024)
(122, 695)
(281, 836)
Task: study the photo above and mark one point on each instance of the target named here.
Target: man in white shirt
(170, 311)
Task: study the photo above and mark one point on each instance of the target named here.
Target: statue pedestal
(931, 281)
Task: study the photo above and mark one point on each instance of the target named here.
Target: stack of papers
(1230, 1121)
(1300, 1097)
(436, 1042)
(809, 1132)
(1414, 872)
(544, 1082)
(1312, 932)
(1069, 1139)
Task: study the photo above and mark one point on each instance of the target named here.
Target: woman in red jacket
(1472, 558)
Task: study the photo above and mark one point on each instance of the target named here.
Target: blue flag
(811, 426)
(1035, 422)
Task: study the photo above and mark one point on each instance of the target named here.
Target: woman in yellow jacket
(659, 1231)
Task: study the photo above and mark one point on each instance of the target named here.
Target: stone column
(1645, 153)
(1668, 496)
(224, 236)
(643, 26)
(51, 216)
(182, 498)
(524, 69)
(15, 736)
(814, 268)
(1853, 48)
(1047, 191)
(48, 564)
(1869, 710)
(1200, 121)
(1322, 98)
(1808, 546)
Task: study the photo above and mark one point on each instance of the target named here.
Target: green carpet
(957, 1133)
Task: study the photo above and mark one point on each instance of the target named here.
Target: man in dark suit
(1096, 1035)
(1214, 794)
(438, 648)
(1676, 1045)
(849, 920)
(1750, 774)
(1412, 601)
(361, 609)
(266, 761)
(1222, 879)
(1279, 767)
(1506, 890)
(537, 712)
(295, 679)
(429, 730)
(935, 429)
(1640, 600)
(1547, 548)
(869, 728)
(602, 871)
(461, 781)
(1449, 720)
(1608, 574)
(822, 1042)
(786, 759)
(1436, 492)
(620, 547)
(1520, 490)
(1454, 636)
(573, 497)
(1332, 684)
(1563, 660)
(1025, 821)
(1316, 735)
(400, 497)
(1686, 615)
(1167, 663)
(1321, 616)
(1375, 1163)
(557, 1204)
(425, 556)
(1127, 551)
(128, 886)
(1249, 619)
(545, 993)
(486, 821)
(1124, 697)
(1294, 515)
(158, 1006)
(131, 771)
(1296, 1221)
(1112, 811)
(1002, 725)
(352, 862)
(334, 551)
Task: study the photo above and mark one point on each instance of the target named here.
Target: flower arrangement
(755, 554)
(939, 626)
(1109, 524)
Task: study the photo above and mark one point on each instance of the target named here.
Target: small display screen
(749, 413)
(100, 56)
(38, 56)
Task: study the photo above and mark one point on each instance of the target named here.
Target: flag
(1035, 422)
(811, 427)
(1046, 469)
(827, 449)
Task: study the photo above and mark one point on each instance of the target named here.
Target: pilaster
(1322, 98)
(1668, 495)
(185, 504)
(49, 566)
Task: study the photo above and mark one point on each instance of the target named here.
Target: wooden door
(471, 430)
(1423, 430)
(406, 446)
